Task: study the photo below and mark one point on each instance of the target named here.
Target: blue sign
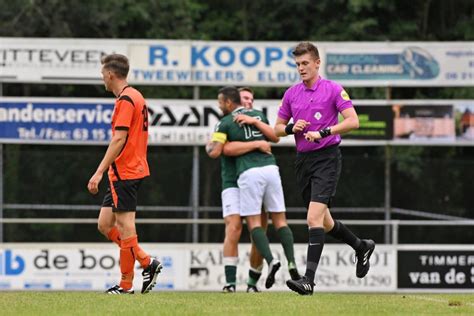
(10, 265)
(55, 121)
(412, 63)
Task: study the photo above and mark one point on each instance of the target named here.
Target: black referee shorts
(317, 174)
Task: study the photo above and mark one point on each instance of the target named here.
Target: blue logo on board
(413, 63)
(11, 265)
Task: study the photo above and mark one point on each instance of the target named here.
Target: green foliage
(270, 20)
(408, 160)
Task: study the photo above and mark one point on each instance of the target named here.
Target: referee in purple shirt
(314, 105)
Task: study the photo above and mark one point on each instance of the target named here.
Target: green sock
(230, 274)
(254, 275)
(262, 244)
(286, 239)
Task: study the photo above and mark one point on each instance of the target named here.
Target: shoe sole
(296, 288)
(368, 262)
(153, 281)
(271, 276)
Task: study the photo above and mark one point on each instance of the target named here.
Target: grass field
(193, 303)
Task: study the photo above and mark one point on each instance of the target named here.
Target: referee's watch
(325, 132)
(289, 129)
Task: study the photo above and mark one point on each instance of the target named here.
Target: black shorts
(317, 173)
(122, 195)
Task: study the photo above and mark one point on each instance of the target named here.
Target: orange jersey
(130, 113)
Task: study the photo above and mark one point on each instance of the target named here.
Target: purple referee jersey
(319, 105)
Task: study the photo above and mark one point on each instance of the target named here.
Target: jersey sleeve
(124, 109)
(285, 107)
(342, 99)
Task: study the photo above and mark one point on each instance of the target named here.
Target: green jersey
(245, 133)
(228, 172)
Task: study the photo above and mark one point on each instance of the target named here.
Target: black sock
(315, 248)
(342, 233)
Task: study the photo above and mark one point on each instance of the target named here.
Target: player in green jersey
(258, 176)
(231, 213)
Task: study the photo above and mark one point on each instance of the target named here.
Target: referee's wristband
(325, 132)
(289, 129)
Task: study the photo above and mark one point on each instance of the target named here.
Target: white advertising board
(187, 267)
(208, 63)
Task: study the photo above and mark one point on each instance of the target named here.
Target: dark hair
(230, 93)
(305, 48)
(116, 63)
(246, 89)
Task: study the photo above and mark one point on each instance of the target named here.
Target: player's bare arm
(281, 126)
(350, 122)
(241, 148)
(214, 149)
(266, 129)
(115, 146)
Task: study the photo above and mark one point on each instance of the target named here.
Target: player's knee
(103, 228)
(279, 220)
(233, 231)
(126, 227)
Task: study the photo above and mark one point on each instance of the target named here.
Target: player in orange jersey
(126, 162)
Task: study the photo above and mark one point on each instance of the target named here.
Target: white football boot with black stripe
(149, 275)
(302, 286)
(117, 290)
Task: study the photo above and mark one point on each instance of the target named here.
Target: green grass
(205, 303)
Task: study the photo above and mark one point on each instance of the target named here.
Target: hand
(312, 136)
(245, 119)
(300, 125)
(264, 147)
(93, 185)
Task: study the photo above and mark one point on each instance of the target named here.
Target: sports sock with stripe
(254, 275)
(230, 269)
(140, 255)
(315, 248)
(127, 261)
